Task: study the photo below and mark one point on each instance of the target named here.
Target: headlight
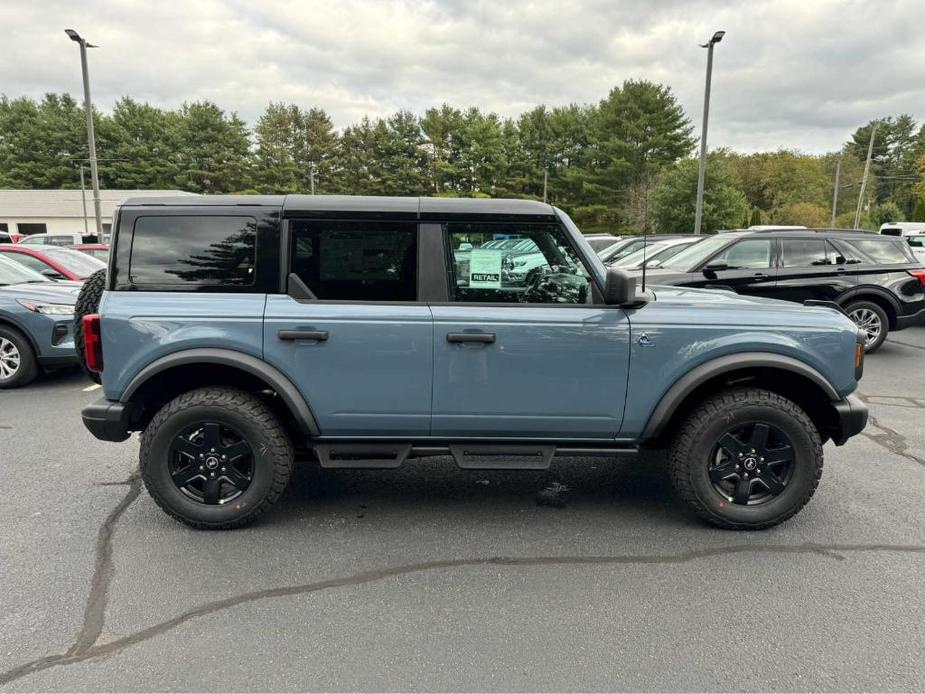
(48, 309)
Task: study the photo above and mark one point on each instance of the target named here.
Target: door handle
(317, 335)
(483, 338)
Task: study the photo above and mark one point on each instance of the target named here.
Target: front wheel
(215, 458)
(746, 459)
(18, 365)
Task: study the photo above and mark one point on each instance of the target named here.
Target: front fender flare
(238, 360)
(684, 386)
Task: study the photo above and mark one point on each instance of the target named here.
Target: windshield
(650, 252)
(75, 262)
(12, 272)
(601, 243)
(692, 256)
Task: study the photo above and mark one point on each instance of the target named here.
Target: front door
(750, 268)
(520, 350)
(361, 351)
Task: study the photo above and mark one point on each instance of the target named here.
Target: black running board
(468, 456)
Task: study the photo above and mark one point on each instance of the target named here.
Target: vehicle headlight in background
(47, 309)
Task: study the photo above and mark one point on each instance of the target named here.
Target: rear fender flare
(274, 378)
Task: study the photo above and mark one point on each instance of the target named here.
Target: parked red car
(54, 262)
(100, 251)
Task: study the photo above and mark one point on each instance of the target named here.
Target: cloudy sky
(790, 73)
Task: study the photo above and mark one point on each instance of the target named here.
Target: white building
(40, 211)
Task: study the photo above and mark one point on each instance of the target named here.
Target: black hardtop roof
(362, 205)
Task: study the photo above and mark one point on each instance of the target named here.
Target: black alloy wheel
(211, 463)
(751, 463)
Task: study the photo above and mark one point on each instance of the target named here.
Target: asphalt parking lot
(437, 579)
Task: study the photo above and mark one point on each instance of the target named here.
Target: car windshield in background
(75, 262)
(648, 252)
(98, 253)
(916, 241)
(598, 245)
(692, 256)
(12, 272)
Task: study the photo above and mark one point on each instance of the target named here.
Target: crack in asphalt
(891, 440)
(103, 571)
(905, 401)
(81, 651)
(906, 344)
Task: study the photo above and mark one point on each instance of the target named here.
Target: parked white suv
(58, 239)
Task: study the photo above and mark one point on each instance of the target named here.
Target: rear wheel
(18, 365)
(746, 459)
(88, 301)
(215, 458)
(872, 319)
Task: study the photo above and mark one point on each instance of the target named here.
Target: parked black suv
(875, 279)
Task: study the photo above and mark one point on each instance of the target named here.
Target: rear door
(812, 268)
(351, 333)
(525, 355)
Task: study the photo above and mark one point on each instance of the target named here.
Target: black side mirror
(53, 274)
(620, 287)
(710, 269)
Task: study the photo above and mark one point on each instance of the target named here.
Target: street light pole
(91, 139)
(83, 197)
(717, 37)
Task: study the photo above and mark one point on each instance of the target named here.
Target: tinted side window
(749, 254)
(803, 252)
(201, 250)
(541, 268)
(884, 251)
(356, 261)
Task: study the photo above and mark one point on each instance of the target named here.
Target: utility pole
(870, 152)
(311, 175)
(83, 195)
(545, 182)
(717, 37)
(835, 194)
(91, 140)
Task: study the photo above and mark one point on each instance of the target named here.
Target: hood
(48, 292)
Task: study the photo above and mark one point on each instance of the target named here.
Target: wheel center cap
(212, 462)
(750, 463)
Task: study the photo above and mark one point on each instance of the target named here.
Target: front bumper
(107, 420)
(852, 418)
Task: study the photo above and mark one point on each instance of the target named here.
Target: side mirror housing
(53, 274)
(620, 287)
(714, 267)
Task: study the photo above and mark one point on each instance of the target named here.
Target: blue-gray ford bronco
(235, 332)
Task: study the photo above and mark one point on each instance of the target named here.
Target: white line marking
(93, 387)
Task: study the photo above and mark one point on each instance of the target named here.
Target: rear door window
(804, 253)
(195, 250)
(356, 261)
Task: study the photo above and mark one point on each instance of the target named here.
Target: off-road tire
(271, 446)
(88, 301)
(691, 448)
(28, 364)
(881, 315)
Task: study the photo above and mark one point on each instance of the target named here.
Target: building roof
(43, 204)
(363, 205)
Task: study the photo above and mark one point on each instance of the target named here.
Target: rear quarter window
(882, 251)
(193, 250)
